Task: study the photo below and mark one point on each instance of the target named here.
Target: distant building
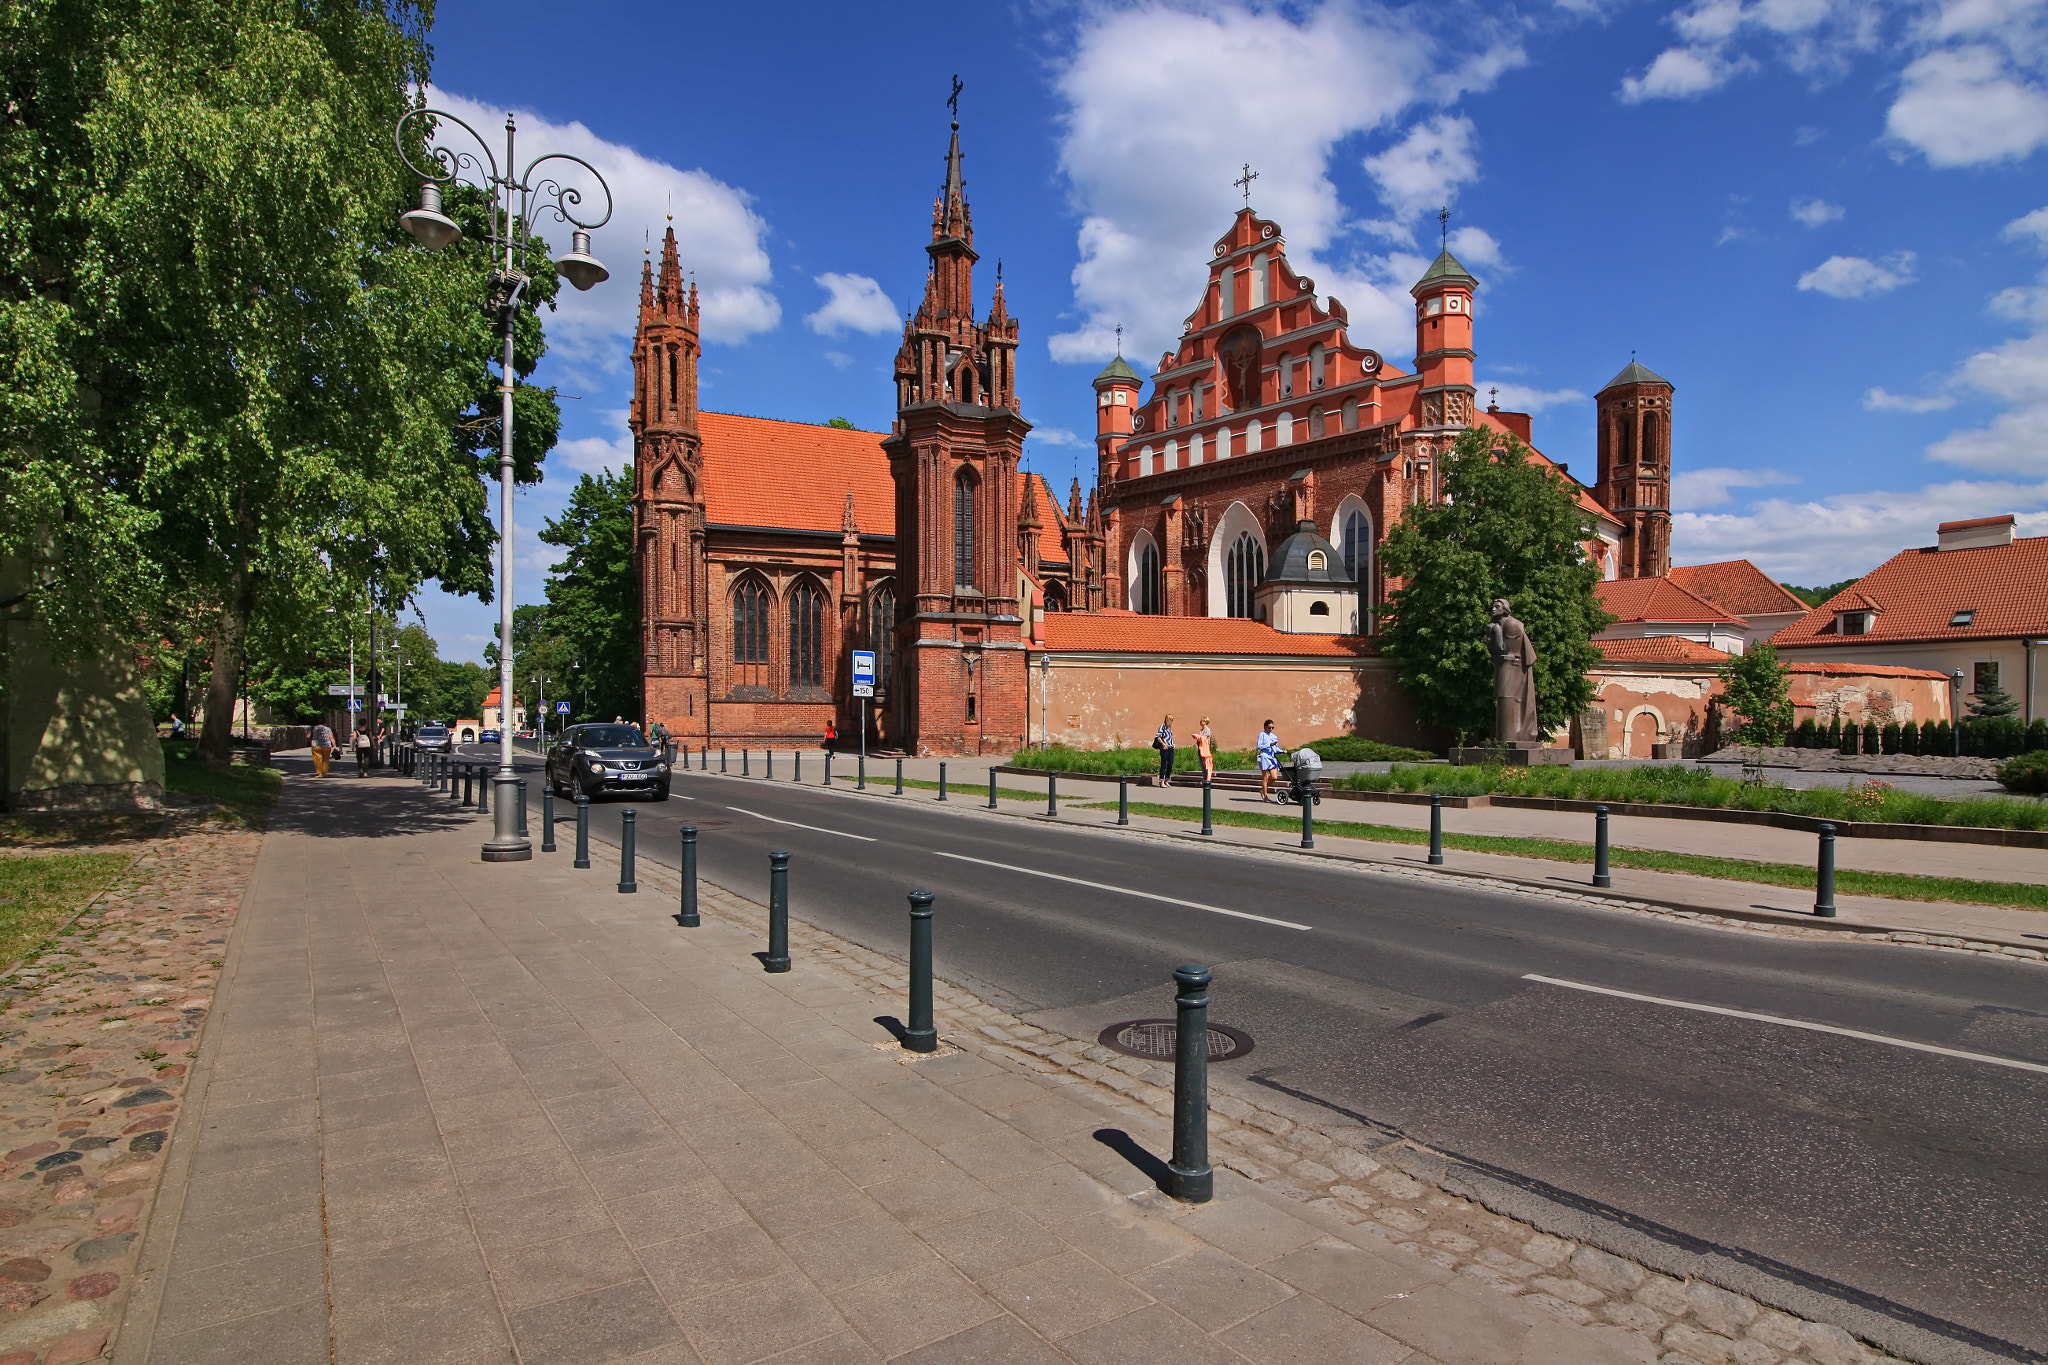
(1975, 603)
(1738, 586)
(1654, 608)
(494, 713)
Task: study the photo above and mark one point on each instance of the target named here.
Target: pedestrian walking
(1205, 748)
(1269, 760)
(323, 749)
(831, 742)
(1163, 742)
(363, 742)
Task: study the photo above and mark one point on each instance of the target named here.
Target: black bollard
(1436, 830)
(483, 791)
(991, 788)
(1208, 807)
(746, 762)
(468, 797)
(899, 777)
(1601, 877)
(942, 782)
(1824, 892)
(862, 769)
(721, 759)
(921, 1035)
(627, 817)
(1052, 793)
(828, 767)
(1308, 819)
(796, 763)
(582, 829)
(1189, 1175)
(687, 916)
(777, 959)
(522, 808)
(1123, 798)
(547, 815)
(769, 771)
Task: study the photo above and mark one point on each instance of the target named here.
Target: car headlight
(597, 767)
(662, 766)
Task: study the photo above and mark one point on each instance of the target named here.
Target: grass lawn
(1896, 885)
(38, 895)
(244, 792)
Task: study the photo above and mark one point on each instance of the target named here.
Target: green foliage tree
(1758, 689)
(1813, 597)
(1994, 701)
(1507, 527)
(229, 380)
(592, 626)
(1909, 737)
(842, 424)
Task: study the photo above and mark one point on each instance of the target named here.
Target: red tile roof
(1660, 649)
(761, 472)
(1739, 586)
(1128, 632)
(1856, 670)
(1917, 592)
(1052, 544)
(1659, 600)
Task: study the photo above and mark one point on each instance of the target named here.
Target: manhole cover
(1157, 1038)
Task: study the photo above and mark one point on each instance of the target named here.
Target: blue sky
(1824, 222)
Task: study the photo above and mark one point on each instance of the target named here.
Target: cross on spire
(1119, 341)
(953, 100)
(1443, 227)
(1244, 182)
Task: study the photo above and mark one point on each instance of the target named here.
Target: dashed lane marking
(798, 824)
(1127, 891)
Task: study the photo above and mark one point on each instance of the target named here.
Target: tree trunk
(216, 735)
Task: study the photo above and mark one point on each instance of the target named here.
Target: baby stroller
(1301, 772)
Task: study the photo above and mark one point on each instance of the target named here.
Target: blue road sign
(561, 708)
(864, 668)
(355, 703)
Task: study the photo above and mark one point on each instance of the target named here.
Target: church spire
(670, 290)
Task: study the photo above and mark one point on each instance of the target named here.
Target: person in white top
(1163, 742)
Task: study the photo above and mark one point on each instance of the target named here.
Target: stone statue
(1514, 678)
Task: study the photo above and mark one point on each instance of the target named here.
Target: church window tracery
(1243, 567)
(963, 530)
(807, 636)
(881, 629)
(749, 629)
(1150, 587)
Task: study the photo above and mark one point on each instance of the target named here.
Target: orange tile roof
(1917, 592)
(1660, 649)
(761, 472)
(1856, 670)
(1128, 632)
(1658, 599)
(1052, 544)
(1738, 586)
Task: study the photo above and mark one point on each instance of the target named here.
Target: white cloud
(723, 240)
(838, 360)
(598, 454)
(1966, 106)
(1825, 539)
(857, 305)
(1523, 398)
(2032, 227)
(1477, 246)
(1151, 182)
(1056, 436)
(1806, 137)
(1424, 169)
(1680, 73)
(1815, 212)
(1854, 277)
(1716, 487)
(1879, 400)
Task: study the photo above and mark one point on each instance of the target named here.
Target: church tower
(953, 455)
(1443, 342)
(1634, 480)
(668, 501)
(1116, 399)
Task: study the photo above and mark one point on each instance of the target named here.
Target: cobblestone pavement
(466, 1113)
(100, 1030)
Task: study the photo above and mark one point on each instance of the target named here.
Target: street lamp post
(515, 197)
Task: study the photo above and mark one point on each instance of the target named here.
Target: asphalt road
(1914, 1176)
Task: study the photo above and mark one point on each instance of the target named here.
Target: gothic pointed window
(882, 629)
(1356, 537)
(963, 531)
(1151, 584)
(1243, 567)
(806, 636)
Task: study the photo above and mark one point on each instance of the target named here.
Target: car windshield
(610, 737)
(433, 729)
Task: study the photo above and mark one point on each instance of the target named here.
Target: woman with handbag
(1163, 742)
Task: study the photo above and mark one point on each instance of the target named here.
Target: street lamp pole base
(507, 844)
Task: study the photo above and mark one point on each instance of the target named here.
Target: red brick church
(768, 550)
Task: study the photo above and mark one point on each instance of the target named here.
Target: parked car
(488, 737)
(434, 736)
(596, 759)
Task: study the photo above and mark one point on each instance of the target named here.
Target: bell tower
(1634, 480)
(1116, 400)
(668, 501)
(1443, 342)
(953, 455)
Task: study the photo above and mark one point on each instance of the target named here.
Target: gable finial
(953, 100)
(1119, 341)
(1244, 182)
(1443, 227)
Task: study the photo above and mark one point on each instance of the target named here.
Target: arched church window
(806, 636)
(1315, 367)
(1318, 560)
(963, 531)
(672, 386)
(1625, 441)
(750, 624)
(1243, 567)
(1650, 443)
(1151, 584)
(1173, 407)
(882, 629)
(1356, 538)
(1319, 609)
(1286, 375)
(1315, 423)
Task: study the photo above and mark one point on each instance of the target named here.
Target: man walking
(323, 749)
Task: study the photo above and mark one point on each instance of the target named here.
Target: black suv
(595, 759)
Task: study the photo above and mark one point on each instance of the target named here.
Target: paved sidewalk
(466, 1113)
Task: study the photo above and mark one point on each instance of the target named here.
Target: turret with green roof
(1444, 267)
(1118, 369)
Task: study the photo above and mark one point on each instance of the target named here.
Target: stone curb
(1653, 1297)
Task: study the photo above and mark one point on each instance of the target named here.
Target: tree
(593, 600)
(842, 424)
(1507, 527)
(1813, 597)
(1758, 689)
(1993, 701)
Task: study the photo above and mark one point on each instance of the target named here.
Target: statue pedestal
(1511, 753)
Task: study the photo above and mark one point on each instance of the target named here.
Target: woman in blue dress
(1269, 760)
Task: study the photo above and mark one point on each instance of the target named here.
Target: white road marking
(1793, 1023)
(1126, 891)
(795, 824)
